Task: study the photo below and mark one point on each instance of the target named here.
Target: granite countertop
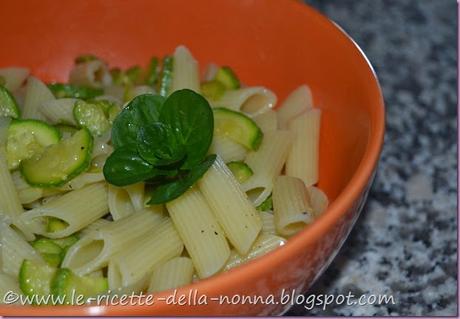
(405, 241)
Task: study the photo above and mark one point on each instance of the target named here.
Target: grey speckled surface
(405, 241)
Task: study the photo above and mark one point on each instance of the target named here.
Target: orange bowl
(279, 44)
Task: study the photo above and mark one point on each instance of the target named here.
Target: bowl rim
(306, 237)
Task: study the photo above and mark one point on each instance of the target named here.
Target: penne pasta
(92, 73)
(111, 98)
(299, 101)
(291, 205)
(14, 250)
(267, 121)
(267, 163)
(4, 125)
(30, 195)
(37, 93)
(20, 96)
(96, 225)
(93, 251)
(10, 203)
(114, 91)
(77, 209)
(132, 267)
(264, 244)
(136, 195)
(268, 223)
(202, 236)
(210, 72)
(174, 273)
(318, 200)
(119, 202)
(185, 71)
(227, 149)
(251, 100)
(27, 194)
(8, 284)
(14, 77)
(101, 146)
(231, 206)
(59, 111)
(116, 285)
(302, 161)
(82, 180)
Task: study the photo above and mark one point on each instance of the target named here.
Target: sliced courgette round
(27, 138)
(166, 76)
(92, 116)
(240, 170)
(61, 90)
(66, 242)
(266, 205)
(55, 224)
(8, 105)
(35, 279)
(212, 89)
(65, 282)
(59, 163)
(51, 252)
(228, 78)
(238, 127)
(66, 130)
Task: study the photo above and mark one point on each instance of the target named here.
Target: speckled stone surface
(405, 241)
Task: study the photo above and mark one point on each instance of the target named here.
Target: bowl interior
(278, 44)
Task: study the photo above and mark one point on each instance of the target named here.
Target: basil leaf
(191, 118)
(124, 167)
(169, 191)
(141, 111)
(157, 145)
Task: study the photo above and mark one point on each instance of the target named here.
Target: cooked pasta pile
(101, 191)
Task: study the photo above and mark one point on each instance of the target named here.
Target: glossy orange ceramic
(277, 43)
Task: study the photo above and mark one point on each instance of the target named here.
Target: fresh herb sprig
(163, 142)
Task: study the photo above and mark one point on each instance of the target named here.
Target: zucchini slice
(8, 105)
(51, 252)
(27, 138)
(66, 242)
(240, 170)
(134, 75)
(61, 90)
(228, 78)
(65, 282)
(266, 205)
(59, 163)
(66, 130)
(151, 77)
(46, 246)
(92, 116)
(166, 76)
(212, 89)
(35, 279)
(238, 127)
(55, 224)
